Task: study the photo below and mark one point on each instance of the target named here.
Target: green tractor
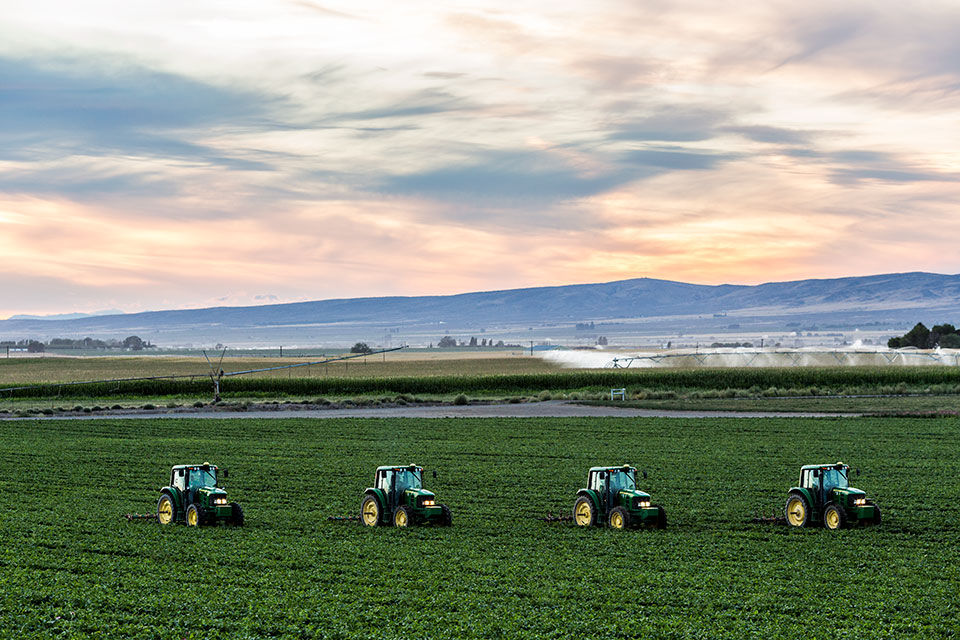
(194, 497)
(612, 498)
(825, 495)
(398, 498)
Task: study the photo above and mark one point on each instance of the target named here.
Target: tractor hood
(850, 493)
(419, 493)
(211, 492)
(634, 493)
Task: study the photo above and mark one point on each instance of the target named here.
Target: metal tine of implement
(140, 516)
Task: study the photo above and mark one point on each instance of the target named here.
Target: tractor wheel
(166, 511)
(876, 512)
(446, 517)
(584, 513)
(403, 516)
(661, 517)
(370, 511)
(194, 516)
(620, 518)
(797, 511)
(834, 517)
(236, 515)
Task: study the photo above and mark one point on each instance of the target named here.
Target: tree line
(941, 335)
(133, 343)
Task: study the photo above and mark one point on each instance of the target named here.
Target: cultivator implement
(344, 518)
(552, 518)
(772, 519)
(140, 516)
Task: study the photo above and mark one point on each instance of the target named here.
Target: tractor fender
(175, 496)
(590, 493)
(380, 496)
(806, 494)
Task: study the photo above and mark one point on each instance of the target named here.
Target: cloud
(69, 107)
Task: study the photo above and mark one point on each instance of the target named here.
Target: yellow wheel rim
(400, 519)
(616, 521)
(583, 514)
(796, 512)
(192, 517)
(832, 518)
(370, 513)
(165, 511)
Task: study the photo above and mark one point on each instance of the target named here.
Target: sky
(191, 154)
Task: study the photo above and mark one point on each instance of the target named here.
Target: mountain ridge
(897, 295)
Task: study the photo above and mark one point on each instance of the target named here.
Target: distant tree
(473, 341)
(483, 342)
(950, 341)
(602, 341)
(447, 341)
(131, 342)
(500, 343)
(35, 347)
(361, 347)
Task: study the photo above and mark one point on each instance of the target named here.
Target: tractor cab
(398, 497)
(194, 496)
(612, 497)
(824, 495)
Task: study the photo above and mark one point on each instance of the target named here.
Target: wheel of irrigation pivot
(236, 515)
(797, 510)
(584, 513)
(876, 512)
(403, 516)
(446, 516)
(370, 511)
(661, 517)
(194, 517)
(833, 517)
(166, 511)
(619, 518)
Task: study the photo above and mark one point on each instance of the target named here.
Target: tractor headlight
(427, 502)
(642, 504)
(220, 501)
(860, 502)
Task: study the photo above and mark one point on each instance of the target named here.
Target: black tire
(876, 512)
(584, 513)
(166, 509)
(370, 511)
(834, 517)
(797, 510)
(194, 516)
(661, 517)
(446, 518)
(619, 519)
(403, 517)
(236, 514)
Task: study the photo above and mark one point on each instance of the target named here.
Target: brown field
(30, 370)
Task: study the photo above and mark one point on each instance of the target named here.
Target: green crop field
(72, 567)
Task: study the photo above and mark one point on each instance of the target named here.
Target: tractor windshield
(834, 479)
(407, 479)
(202, 478)
(622, 480)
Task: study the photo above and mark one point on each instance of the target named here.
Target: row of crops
(71, 566)
(830, 379)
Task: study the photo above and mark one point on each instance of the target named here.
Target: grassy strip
(771, 382)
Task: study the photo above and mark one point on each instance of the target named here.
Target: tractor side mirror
(226, 474)
(434, 475)
(857, 471)
(644, 475)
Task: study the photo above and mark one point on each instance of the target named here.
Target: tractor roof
(399, 467)
(619, 467)
(194, 466)
(835, 465)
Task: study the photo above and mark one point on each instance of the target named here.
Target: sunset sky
(184, 154)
